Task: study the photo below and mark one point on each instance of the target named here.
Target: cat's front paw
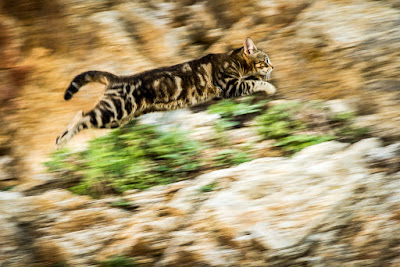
(270, 90)
(266, 87)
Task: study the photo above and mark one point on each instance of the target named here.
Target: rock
(321, 206)
(340, 106)
(385, 158)
(385, 153)
(16, 241)
(189, 247)
(244, 212)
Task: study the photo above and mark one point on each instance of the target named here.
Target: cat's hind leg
(104, 115)
(80, 122)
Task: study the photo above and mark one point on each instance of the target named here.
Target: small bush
(132, 157)
(296, 125)
(345, 131)
(295, 143)
(233, 115)
(279, 121)
(232, 111)
(230, 157)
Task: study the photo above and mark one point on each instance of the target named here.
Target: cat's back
(187, 68)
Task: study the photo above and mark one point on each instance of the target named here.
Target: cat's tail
(88, 77)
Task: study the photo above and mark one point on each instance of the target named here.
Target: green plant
(118, 261)
(132, 157)
(224, 124)
(61, 161)
(233, 113)
(345, 131)
(343, 117)
(208, 188)
(278, 121)
(230, 110)
(229, 157)
(290, 125)
(295, 143)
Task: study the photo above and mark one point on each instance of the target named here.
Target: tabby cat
(232, 74)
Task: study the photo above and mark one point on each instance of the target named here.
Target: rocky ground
(330, 204)
(324, 206)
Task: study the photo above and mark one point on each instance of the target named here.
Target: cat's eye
(267, 60)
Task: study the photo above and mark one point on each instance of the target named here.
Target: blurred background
(337, 71)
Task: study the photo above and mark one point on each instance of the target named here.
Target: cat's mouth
(266, 75)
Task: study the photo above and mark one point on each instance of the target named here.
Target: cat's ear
(249, 46)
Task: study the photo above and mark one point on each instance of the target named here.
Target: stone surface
(323, 206)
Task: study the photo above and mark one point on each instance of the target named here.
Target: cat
(225, 75)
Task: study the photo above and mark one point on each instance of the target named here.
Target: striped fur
(224, 75)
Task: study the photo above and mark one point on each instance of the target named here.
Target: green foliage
(294, 143)
(233, 113)
(229, 157)
(118, 261)
(347, 132)
(224, 124)
(208, 188)
(61, 162)
(132, 157)
(343, 117)
(290, 125)
(279, 122)
(350, 133)
(229, 108)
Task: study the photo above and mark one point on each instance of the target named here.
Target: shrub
(296, 125)
(295, 143)
(345, 131)
(278, 121)
(232, 111)
(229, 157)
(132, 157)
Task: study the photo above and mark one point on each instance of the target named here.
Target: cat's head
(259, 61)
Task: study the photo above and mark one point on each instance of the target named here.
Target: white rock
(384, 153)
(340, 106)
